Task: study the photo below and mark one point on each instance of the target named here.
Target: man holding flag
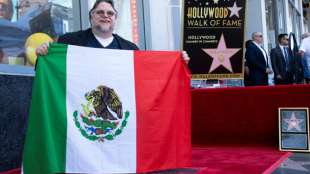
(105, 110)
(102, 17)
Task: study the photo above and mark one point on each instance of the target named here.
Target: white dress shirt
(263, 51)
(283, 51)
(267, 60)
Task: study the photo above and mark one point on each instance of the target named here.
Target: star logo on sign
(234, 10)
(293, 122)
(221, 55)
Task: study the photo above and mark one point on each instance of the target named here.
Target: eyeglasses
(259, 35)
(109, 13)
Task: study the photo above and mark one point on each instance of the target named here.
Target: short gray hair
(255, 33)
(97, 3)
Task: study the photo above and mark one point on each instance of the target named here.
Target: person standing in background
(282, 62)
(257, 61)
(304, 50)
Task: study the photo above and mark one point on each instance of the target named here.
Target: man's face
(258, 38)
(103, 18)
(4, 9)
(284, 41)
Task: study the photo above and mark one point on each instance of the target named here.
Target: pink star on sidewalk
(221, 55)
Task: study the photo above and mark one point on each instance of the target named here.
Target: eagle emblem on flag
(101, 117)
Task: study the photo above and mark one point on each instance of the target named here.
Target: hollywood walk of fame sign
(213, 36)
(294, 129)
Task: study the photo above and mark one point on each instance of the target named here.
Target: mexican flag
(108, 111)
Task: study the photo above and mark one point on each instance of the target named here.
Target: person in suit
(257, 61)
(282, 62)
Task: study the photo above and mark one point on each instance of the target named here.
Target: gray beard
(104, 29)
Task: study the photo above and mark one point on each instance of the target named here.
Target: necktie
(286, 58)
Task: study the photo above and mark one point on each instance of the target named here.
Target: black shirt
(94, 43)
(86, 38)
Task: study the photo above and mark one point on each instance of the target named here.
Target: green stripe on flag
(45, 146)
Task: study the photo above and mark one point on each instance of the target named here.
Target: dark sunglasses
(109, 13)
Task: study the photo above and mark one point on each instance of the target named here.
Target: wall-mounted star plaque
(294, 129)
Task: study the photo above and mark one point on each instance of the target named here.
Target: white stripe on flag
(86, 70)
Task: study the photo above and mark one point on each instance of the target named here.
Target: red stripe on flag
(162, 85)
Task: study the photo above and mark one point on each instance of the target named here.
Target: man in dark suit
(257, 61)
(282, 62)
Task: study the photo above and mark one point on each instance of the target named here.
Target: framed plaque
(294, 129)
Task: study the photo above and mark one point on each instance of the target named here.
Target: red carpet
(228, 160)
(240, 127)
(237, 160)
